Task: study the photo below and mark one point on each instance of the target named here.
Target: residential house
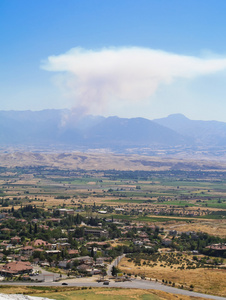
(166, 242)
(16, 268)
(15, 240)
(97, 232)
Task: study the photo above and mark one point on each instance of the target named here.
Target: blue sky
(128, 58)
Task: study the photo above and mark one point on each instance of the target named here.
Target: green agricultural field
(215, 204)
(167, 194)
(149, 218)
(178, 203)
(162, 219)
(126, 201)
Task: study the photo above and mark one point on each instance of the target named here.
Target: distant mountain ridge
(203, 133)
(61, 128)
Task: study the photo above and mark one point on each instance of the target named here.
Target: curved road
(138, 284)
(88, 282)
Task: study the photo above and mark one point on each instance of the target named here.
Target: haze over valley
(64, 130)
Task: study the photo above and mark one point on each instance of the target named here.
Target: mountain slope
(132, 132)
(203, 133)
(63, 127)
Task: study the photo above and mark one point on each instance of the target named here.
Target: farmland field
(143, 196)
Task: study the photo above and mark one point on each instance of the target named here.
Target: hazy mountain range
(61, 128)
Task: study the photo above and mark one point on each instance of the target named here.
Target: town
(57, 225)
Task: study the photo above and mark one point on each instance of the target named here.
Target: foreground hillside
(89, 294)
(20, 297)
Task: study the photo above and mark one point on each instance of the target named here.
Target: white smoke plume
(95, 79)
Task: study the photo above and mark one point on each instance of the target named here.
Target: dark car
(64, 283)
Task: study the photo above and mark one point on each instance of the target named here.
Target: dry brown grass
(212, 281)
(5, 289)
(103, 293)
(167, 296)
(212, 227)
(106, 161)
(137, 294)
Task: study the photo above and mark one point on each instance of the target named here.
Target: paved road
(46, 275)
(114, 263)
(138, 284)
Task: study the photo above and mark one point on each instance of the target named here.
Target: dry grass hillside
(104, 161)
(212, 281)
(79, 293)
